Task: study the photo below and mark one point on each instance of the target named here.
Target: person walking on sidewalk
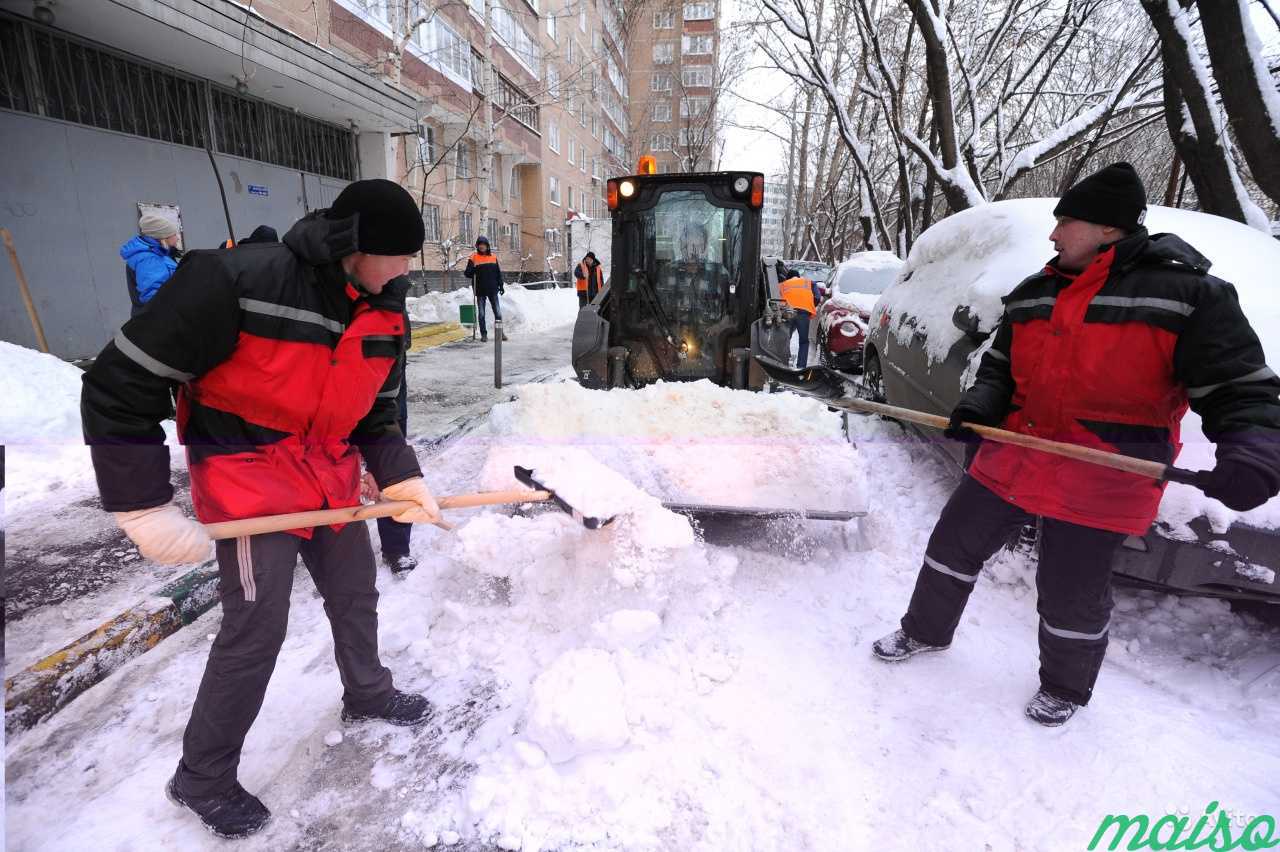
(486, 276)
(149, 259)
(1105, 348)
(287, 360)
(589, 278)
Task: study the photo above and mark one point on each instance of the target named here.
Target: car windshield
(872, 281)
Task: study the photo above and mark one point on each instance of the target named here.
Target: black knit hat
(1113, 196)
(483, 239)
(389, 224)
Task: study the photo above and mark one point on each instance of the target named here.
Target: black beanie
(1113, 196)
(389, 224)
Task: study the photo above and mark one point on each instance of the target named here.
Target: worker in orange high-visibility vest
(589, 278)
(801, 294)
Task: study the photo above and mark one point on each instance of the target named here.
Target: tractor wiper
(654, 304)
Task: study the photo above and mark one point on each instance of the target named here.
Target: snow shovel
(364, 512)
(831, 387)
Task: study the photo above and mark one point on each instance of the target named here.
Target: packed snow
(976, 256)
(638, 687)
(524, 311)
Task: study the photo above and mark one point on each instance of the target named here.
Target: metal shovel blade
(525, 476)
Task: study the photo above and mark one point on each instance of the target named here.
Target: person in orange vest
(801, 294)
(486, 274)
(589, 277)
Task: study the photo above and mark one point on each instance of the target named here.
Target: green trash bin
(467, 314)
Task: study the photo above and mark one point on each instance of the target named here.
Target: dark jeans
(800, 325)
(481, 298)
(1073, 584)
(255, 580)
(583, 299)
(393, 534)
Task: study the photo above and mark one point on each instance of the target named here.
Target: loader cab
(685, 283)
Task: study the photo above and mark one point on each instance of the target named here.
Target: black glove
(956, 432)
(1240, 485)
(502, 291)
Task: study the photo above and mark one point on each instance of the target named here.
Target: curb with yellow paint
(436, 334)
(44, 688)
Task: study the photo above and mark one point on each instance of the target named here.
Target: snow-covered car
(932, 325)
(842, 319)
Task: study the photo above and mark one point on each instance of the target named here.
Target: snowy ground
(638, 687)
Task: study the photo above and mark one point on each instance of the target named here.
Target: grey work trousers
(255, 583)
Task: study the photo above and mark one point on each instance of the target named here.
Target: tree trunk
(1203, 149)
(1252, 115)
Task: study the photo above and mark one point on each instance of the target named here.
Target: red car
(843, 317)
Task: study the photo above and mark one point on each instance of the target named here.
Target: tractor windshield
(692, 255)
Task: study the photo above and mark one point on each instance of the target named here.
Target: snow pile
(696, 442)
(578, 706)
(523, 310)
(976, 256)
(41, 396)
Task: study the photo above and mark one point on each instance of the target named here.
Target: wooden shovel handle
(1116, 461)
(364, 512)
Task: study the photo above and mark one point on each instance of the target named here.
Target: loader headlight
(627, 189)
(741, 185)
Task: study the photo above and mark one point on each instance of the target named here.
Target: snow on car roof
(980, 254)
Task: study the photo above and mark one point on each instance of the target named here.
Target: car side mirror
(968, 322)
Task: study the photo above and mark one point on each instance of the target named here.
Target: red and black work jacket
(1110, 359)
(284, 371)
(588, 279)
(484, 270)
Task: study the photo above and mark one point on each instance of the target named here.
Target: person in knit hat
(149, 258)
(1105, 347)
(287, 360)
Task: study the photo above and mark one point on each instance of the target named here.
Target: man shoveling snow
(1104, 348)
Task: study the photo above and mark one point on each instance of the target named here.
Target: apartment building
(674, 52)
(230, 116)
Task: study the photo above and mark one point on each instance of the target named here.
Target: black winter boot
(1050, 710)
(233, 814)
(401, 564)
(898, 646)
(402, 708)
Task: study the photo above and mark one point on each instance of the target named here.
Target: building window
(660, 82)
(664, 20)
(662, 111)
(694, 107)
(553, 184)
(699, 11)
(464, 229)
(431, 221)
(491, 231)
(553, 81)
(513, 238)
(493, 173)
(569, 198)
(569, 52)
(582, 17)
(515, 182)
(463, 160)
(551, 27)
(664, 53)
(660, 142)
(426, 145)
(696, 76)
(553, 136)
(695, 45)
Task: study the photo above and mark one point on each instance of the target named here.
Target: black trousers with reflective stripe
(1073, 584)
(255, 582)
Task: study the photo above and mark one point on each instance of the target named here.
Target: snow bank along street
(638, 687)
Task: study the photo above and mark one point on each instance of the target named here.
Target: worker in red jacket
(286, 358)
(1105, 347)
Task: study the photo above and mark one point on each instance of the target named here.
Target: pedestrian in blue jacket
(150, 258)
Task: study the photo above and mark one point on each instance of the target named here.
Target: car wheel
(872, 382)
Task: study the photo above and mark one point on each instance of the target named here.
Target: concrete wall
(69, 194)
